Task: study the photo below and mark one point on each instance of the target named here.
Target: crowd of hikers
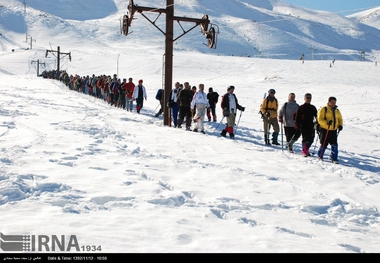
(116, 92)
(190, 106)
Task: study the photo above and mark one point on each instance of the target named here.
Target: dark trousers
(211, 112)
(289, 133)
(185, 112)
(326, 138)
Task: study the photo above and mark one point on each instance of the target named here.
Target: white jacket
(199, 98)
(135, 94)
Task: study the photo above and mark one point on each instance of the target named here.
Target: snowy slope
(271, 29)
(71, 164)
(369, 17)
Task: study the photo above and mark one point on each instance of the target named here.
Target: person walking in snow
(129, 88)
(287, 117)
(230, 105)
(173, 103)
(122, 92)
(212, 97)
(200, 103)
(331, 123)
(306, 117)
(139, 94)
(268, 110)
(185, 96)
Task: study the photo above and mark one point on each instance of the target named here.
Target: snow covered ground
(123, 182)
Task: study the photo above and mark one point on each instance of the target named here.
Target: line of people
(117, 93)
(190, 106)
(302, 120)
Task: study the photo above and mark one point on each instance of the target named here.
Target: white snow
(71, 164)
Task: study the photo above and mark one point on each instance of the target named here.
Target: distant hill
(370, 17)
(252, 28)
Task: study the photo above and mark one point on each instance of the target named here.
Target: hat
(307, 95)
(230, 87)
(210, 89)
(140, 80)
(332, 98)
(271, 91)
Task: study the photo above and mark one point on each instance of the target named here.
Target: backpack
(317, 126)
(262, 115)
(159, 94)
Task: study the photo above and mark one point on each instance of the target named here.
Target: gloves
(340, 128)
(267, 114)
(243, 109)
(329, 122)
(280, 119)
(226, 112)
(295, 126)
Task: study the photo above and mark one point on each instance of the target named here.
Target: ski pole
(282, 136)
(157, 107)
(324, 142)
(269, 124)
(237, 126)
(218, 124)
(315, 144)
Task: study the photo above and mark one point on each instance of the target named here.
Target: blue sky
(344, 7)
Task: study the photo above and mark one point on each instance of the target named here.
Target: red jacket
(129, 87)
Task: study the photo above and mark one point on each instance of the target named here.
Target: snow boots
(274, 138)
(230, 131)
(305, 149)
(266, 138)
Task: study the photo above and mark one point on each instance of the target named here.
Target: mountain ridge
(251, 28)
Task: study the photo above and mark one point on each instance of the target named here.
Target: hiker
(159, 97)
(130, 87)
(304, 125)
(139, 94)
(331, 123)
(268, 110)
(122, 91)
(287, 118)
(230, 106)
(199, 104)
(212, 100)
(173, 103)
(185, 97)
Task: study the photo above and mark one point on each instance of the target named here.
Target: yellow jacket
(269, 106)
(336, 118)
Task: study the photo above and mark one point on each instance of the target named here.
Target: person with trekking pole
(304, 125)
(230, 106)
(331, 123)
(199, 105)
(287, 117)
(268, 110)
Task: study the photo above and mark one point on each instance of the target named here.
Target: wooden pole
(168, 58)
